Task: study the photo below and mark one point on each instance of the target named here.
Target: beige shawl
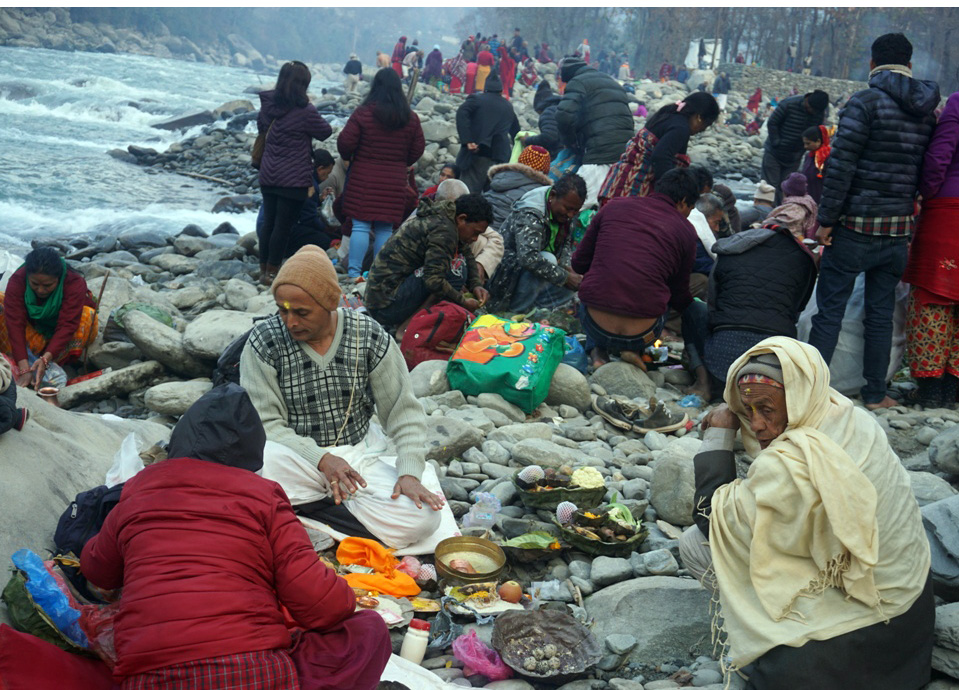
(824, 535)
(6, 374)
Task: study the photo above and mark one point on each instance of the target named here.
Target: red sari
(507, 71)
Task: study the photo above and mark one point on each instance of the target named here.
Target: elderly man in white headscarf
(818, 555)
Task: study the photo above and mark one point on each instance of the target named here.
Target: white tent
(711, 58)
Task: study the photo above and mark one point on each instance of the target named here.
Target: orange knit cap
(535, 157)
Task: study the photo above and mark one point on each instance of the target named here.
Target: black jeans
(9, 414)
(883, 260)
(774, 171)
(280, 214)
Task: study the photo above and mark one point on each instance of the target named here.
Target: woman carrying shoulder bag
(290, 122)
(382, 138)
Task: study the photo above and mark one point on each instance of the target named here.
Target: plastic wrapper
(478, 658)
(49, 597)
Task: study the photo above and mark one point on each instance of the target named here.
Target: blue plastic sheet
(47, 595)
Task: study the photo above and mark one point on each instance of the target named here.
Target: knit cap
(311, 270)
(765, 192)
(762, 366)
(569, 67)
(794, 185)
(535, 157)
(493, 84)
(543, 93)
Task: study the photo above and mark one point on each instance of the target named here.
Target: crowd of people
(593, 216)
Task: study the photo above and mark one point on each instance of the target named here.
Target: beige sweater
(401, 413)
(6, 374)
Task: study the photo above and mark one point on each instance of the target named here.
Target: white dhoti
(398, 523)
(593, 176)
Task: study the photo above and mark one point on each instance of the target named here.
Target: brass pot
(486, 558)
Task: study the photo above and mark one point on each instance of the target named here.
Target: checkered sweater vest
(318, 399)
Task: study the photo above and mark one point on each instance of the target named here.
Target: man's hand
(326, 192)
(472, 146)
(721, 417)
(573, 280)
(410, 486)
(824, 235)
(482, 273)
(482, 295)
(344, 480)
(471, 304)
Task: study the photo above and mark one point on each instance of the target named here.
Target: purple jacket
(940, 168)
(287, 157)
(636, 257)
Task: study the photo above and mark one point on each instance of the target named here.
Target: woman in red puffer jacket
(209, 554)
(382, 138)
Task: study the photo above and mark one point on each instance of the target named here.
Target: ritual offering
(547, 488)
(545, 645)
(468, 560)
(610, 531)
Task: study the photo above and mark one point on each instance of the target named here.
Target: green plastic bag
(515, 360)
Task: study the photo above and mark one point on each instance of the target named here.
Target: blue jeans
(360, 242)
(883, 260)
(615, 344)
(532, 291)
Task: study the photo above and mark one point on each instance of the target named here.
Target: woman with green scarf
(47, 315)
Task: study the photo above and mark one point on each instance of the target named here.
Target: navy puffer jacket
(786, 125)
(878, 151)
(288, 154)
(548, 136)
(595, 114)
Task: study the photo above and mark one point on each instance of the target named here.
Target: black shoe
(621, 415)
(22, 415)
(660, 418)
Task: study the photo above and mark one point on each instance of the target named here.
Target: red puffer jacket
(376, 187)
(206, 553)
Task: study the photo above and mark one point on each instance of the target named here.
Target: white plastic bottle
(414, 644)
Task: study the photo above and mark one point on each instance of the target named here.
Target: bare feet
(700, 390)
(884, 403)
(598, 356)
(633, 358)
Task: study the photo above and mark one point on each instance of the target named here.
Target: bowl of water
(485, 558)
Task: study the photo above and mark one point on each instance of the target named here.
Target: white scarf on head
(904, 70)
(824, 535)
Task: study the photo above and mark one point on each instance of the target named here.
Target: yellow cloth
(482, 71)
(824, 535)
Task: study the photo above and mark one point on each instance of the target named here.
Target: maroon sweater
(75, 297)
(636, 258)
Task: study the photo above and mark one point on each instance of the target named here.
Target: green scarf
(552, 226)
(44, 316)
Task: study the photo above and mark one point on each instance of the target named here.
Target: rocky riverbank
(652, 618)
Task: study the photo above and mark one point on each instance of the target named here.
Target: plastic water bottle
(483, 511)
(415, 641)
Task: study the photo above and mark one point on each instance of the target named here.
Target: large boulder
(429, 378)
(622, 378)
(162, 343)
(448, 438)
(175, 397)
(569, 387)
(668, 616)
(111, 384)
(119, 291)
(928, 488)
(674, 482)
(944, 451)
(538, 451)
(57, 455)
(186, 121)
(211, 332)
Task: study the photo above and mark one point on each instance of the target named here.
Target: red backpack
(434, 332)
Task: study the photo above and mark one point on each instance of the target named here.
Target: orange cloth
(84, 336)
(387, 579)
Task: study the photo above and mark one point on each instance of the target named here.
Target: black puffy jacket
(762, 281)
(877, 154)
(786, 125)
(548, 136)
(595, 114)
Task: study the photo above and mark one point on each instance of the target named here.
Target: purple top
(288, 154)
(636, 257)
(940, 169)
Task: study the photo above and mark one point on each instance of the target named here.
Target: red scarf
(822, 153)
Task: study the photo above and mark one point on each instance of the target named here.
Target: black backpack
(84, 517)
(228, 364)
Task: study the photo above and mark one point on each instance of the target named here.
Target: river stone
(511, 684)
(495, 452)
(209, 334)
(429, 378)
(946, 661)
(607, 571)
(673, 485)
(668, 616)
(947, 626)
(538, 451)
(438, 130)
(660, 562)
(238, 294)
(472, 416)
(514, 433)
(191, 295)
(111, 384)
(928, 488)
(176, 264)
(119, 291)
(175, 397)
(944, 451)
(449, 438)
(114, 355)
(139, 240)
(621, 378)
(569, 387)
(494, 401)
(162, 343)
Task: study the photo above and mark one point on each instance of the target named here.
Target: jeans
(532, 291)
(774, 171)
(883, 260)
(360, 242)
(280, 214)
(615, 344)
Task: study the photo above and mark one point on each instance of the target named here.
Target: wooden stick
(205, 177)
(96, 311)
